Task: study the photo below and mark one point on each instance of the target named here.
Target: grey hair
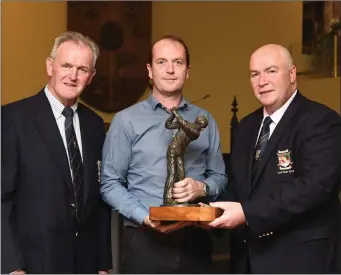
(78, 38)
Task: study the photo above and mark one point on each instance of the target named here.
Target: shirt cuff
(212, 192)
(139, 214)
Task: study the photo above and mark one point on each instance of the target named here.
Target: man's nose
(73, 73)
(263, 80)
(170, 68)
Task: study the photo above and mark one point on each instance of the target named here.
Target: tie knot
(267, 121)
(68, 112)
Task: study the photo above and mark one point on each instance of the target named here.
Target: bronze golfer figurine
(186, 133)
(170, 210)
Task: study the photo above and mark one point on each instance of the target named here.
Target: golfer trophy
(171, 210)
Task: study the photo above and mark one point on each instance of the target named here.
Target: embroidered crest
(99, 170)
(284, 160)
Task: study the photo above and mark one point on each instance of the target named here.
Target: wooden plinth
(184, 213)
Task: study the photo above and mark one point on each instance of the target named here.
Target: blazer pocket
(282, 178)
(311, 234)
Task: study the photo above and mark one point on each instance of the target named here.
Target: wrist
(145, 222)
(205, 189)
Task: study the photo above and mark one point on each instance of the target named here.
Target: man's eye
(161, 62)
(179, 62)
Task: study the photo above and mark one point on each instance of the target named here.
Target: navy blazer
(291, 202)
(38, 228)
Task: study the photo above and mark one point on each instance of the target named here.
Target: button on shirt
(134, 163)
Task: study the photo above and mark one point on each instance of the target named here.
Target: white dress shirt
(276, 116)
(57, 109)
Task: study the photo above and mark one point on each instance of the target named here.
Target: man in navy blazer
(286, 177)
(40, 231)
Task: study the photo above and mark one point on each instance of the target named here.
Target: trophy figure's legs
(167, 195)
(180, 167)
(180, 172)
(175, 173)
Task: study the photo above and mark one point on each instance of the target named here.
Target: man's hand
(19, 271)
(103, 272)
(156, 225)
(187, 190)
(232, 217)
(173, 109)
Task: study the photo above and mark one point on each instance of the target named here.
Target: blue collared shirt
(134, 163)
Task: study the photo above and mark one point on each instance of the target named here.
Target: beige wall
(221, 37)
(323, 90)
(27, 36)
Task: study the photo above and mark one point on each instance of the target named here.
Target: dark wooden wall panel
(122, 29)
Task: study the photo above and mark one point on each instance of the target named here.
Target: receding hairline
(174, 39)
(166, 39)
(278, 49)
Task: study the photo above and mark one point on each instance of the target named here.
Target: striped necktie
(75, 161)
(262, 142)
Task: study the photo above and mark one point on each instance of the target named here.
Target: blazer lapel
(250, 146)
(48, 129)
(282, 126)
(86, 134)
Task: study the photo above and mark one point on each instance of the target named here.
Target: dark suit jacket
(38, 228)
(291, 203)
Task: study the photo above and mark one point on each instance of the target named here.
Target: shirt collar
(56, 105)
(154, 103)
(277, 115)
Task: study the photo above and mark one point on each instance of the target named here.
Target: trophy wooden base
(184, 213)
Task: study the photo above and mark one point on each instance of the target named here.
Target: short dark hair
(173, 38)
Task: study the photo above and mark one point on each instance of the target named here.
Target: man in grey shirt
(134, 170)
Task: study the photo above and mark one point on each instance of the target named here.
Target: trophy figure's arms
(169, 124)
(187, 126)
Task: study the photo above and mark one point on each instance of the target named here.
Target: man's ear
(293, 74)
(91, 76)
(48, 63)
(187, 73)
(150, 71)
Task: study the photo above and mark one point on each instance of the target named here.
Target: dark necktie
(262, 142)
(75, 160)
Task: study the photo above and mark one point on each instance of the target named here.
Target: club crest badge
(284, 160)
(99, 170)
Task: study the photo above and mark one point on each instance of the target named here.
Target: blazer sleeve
(316, 179)
(104, 244)
(11, 257)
